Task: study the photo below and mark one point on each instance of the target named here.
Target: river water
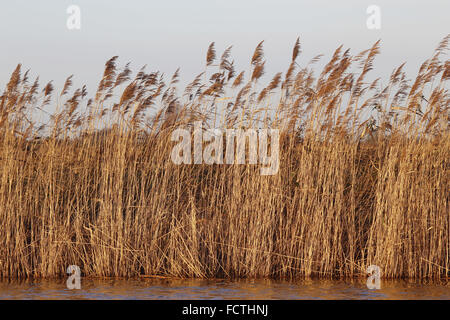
(221, 289)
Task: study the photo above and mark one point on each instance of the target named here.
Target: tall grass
(363, 178)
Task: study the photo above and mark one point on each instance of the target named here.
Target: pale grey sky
(174, 33)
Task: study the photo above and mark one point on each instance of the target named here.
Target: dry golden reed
(363, 178)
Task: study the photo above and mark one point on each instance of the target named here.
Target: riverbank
(363, 175)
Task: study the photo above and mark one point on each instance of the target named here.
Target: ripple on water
(221, 289)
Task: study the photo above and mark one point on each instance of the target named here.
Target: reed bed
(363, 176)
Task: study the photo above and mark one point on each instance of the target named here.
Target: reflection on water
(221, 289)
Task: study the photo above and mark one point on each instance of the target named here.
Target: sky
(165, 35)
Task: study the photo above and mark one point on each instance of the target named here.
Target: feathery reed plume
(108, 78)
(210, 55)
(124, 75)
(297, 49)
(238, 80)
(258, 55)
(258, 71)
(67, 86)
(14, 80)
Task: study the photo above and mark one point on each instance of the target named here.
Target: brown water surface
(222, 289)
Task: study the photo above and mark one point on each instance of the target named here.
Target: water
(221, 289)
